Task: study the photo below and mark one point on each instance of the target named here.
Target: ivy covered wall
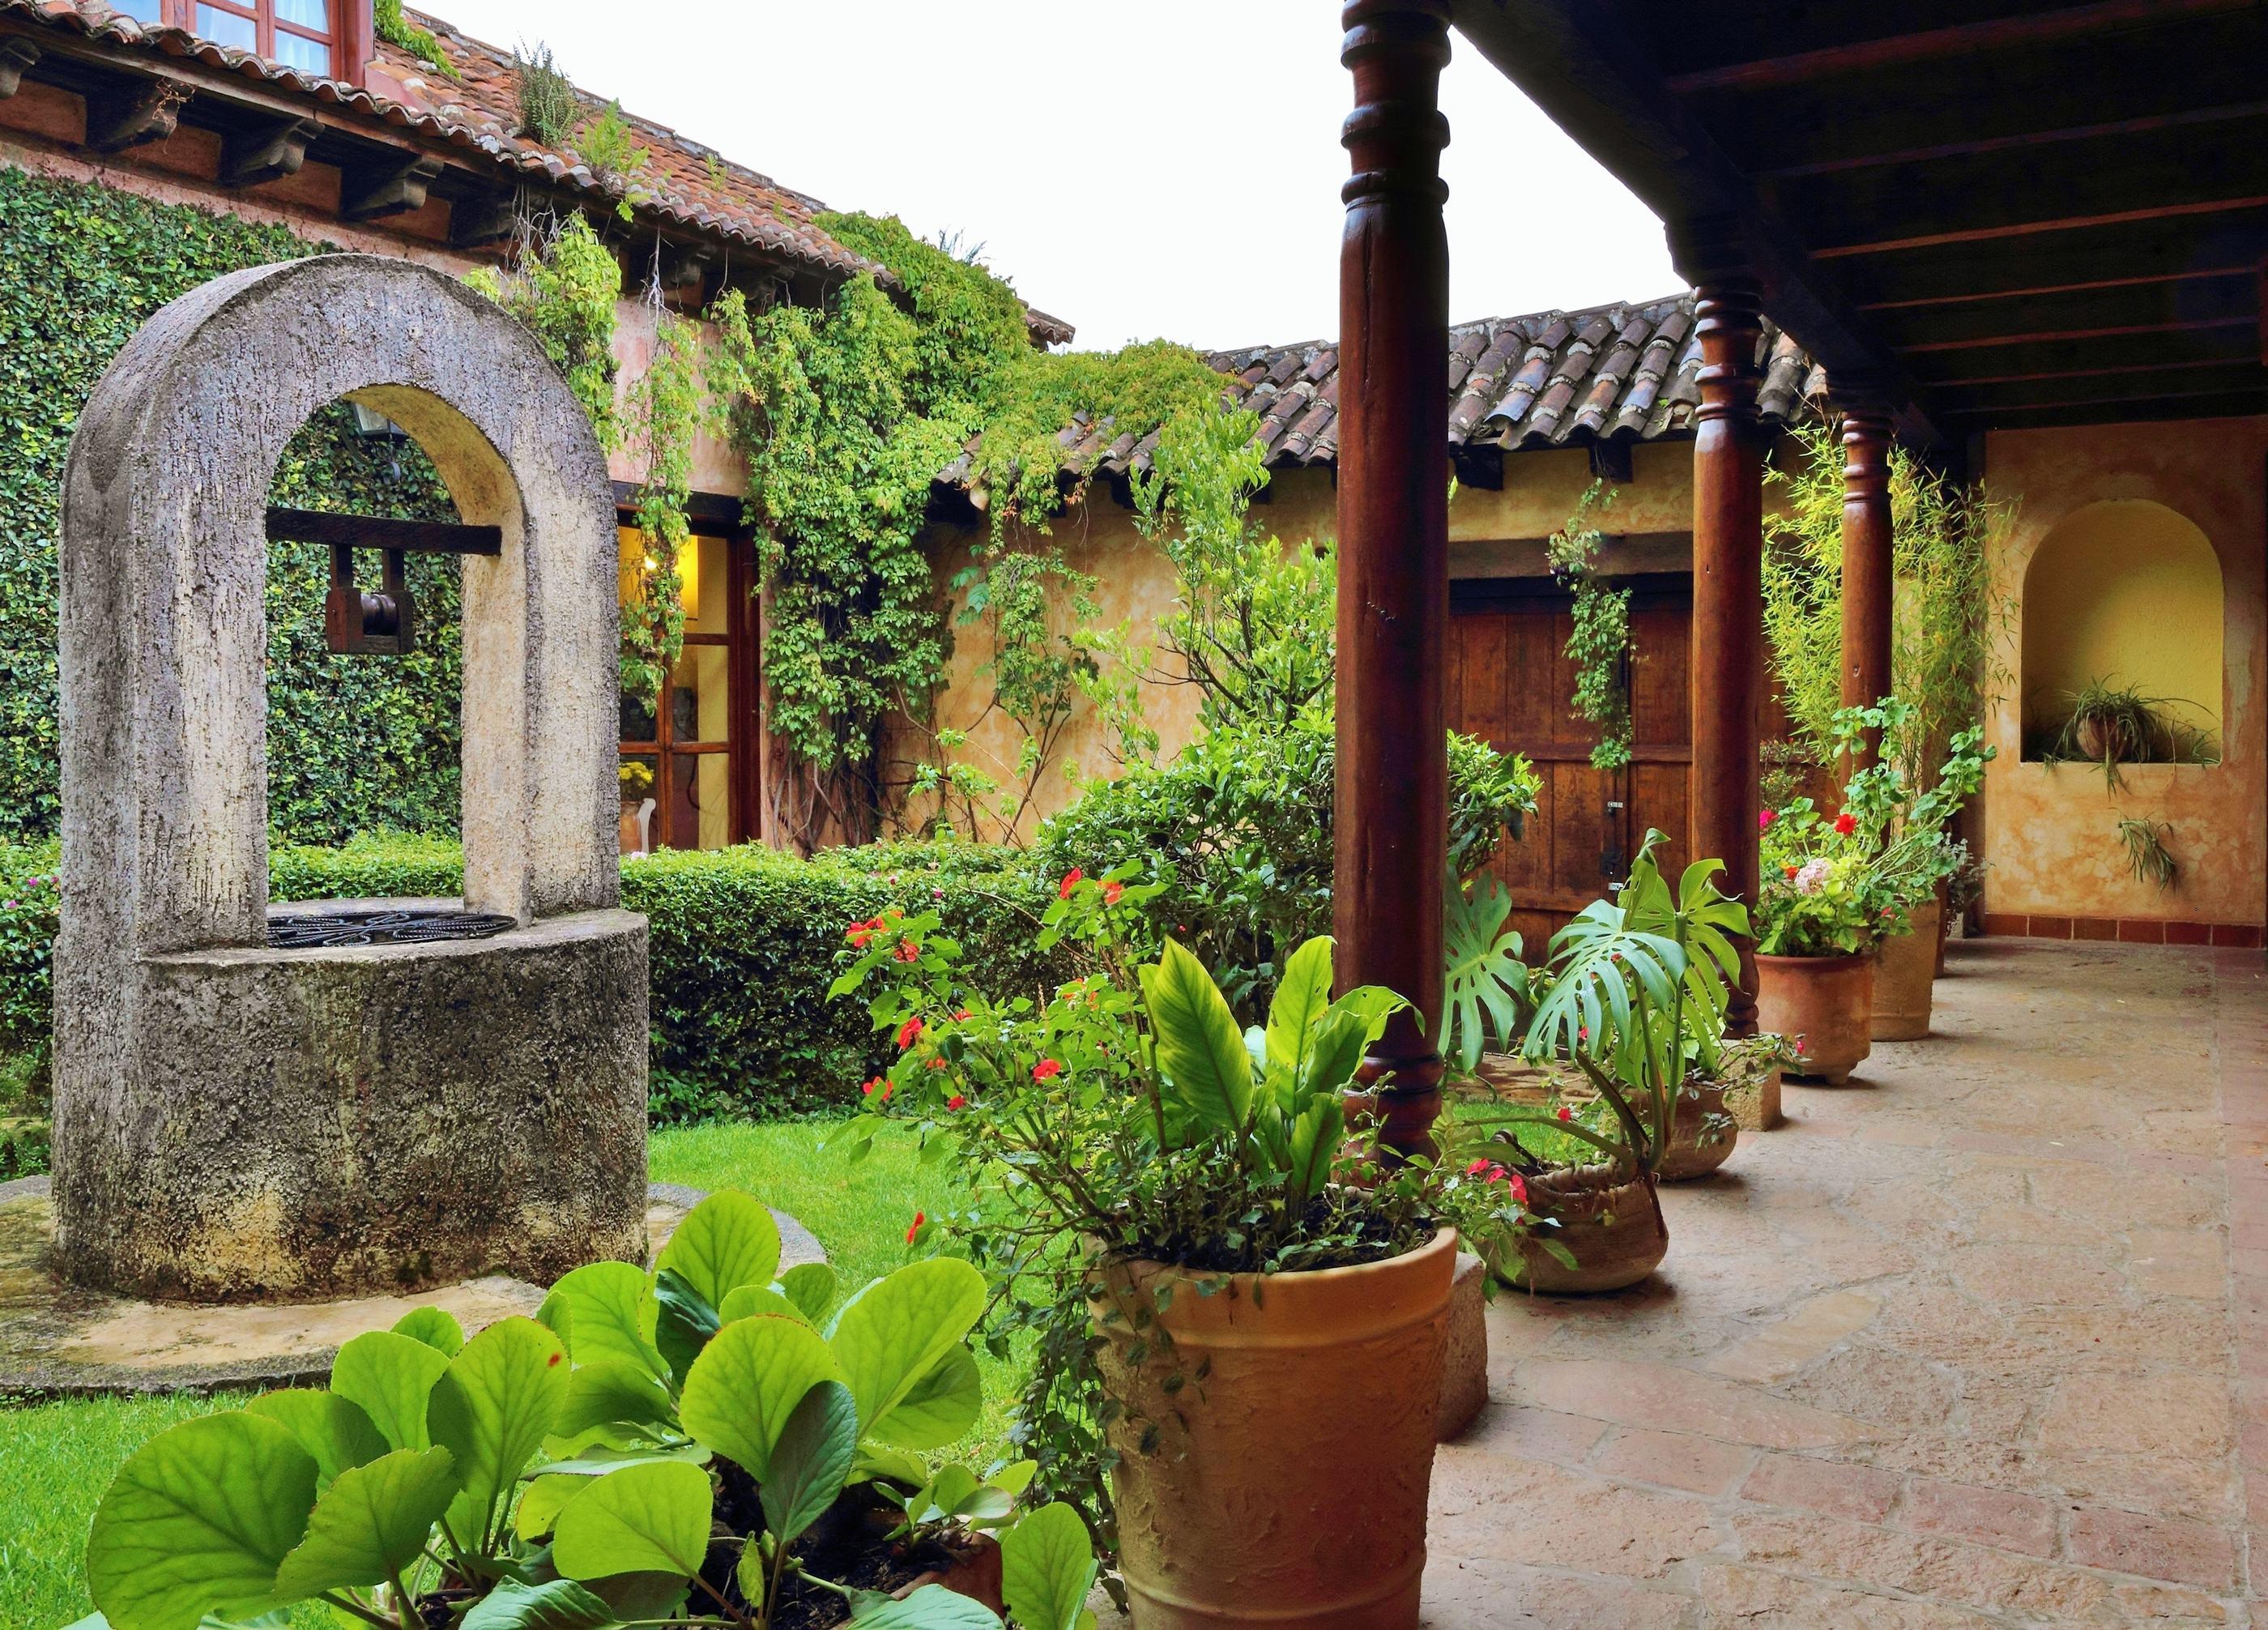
(353, 742)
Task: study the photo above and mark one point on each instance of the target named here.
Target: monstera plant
(705, 1443)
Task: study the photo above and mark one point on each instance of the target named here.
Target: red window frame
(347, 39)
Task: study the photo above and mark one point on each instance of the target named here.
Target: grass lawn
(58, 1458)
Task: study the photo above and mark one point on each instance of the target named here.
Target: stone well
(235, 1121)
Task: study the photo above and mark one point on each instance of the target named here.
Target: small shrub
(547, 106)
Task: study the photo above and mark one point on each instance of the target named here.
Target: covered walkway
(1974, 1341)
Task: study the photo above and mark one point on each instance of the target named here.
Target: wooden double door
(1510, 683)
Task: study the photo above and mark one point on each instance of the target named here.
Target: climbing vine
(353, 742)
(1600, 642)
(395, 28)
(665, 409)
(565, 285)
(847, 413)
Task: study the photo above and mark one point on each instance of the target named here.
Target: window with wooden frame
(309, 36)
(688, 775)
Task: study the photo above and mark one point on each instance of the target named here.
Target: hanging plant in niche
(1599, 646)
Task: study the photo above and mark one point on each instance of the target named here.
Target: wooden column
(1392, 791)
(1727, 574)
(1867, 559)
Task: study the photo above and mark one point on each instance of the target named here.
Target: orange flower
(908, 1031)
(913, 1233)
(907, 951)
(1072, 879)
(1111, 891)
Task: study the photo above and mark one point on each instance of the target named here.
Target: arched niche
(2129, 592)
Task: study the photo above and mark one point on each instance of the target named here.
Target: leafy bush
(1244, 817)
(741, 947)
(394, 1495)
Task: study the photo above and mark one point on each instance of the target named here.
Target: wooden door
(1510, 685)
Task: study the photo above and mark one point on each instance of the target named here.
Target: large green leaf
(1484, 982)
(1048, 1566)
(435, 1327)
(371, 1524)
(607, 1392)
(748, 1381)
(391, 1377)
(1302, 996)
(811, 1287)
(942, 1406)
(811, 1461)
(555, 1604)
(649, 1518)
(610, 1313)
(1200, 1049)
(900, 1328)
(1334, 1054)
(932, 1607)
(1314, 1143)
(754, 1299)
(334, 1430)
(727, 1241)
(198, 1521)
(492, 1408)
(537, 1514)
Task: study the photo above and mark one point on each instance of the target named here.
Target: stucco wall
(1136, 584)
(2051, 832)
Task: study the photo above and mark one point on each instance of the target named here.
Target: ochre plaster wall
(2050, 833)
(1136, 585)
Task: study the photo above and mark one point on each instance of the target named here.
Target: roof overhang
(2000, 213)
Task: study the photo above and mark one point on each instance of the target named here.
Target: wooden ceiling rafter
(2067, 202)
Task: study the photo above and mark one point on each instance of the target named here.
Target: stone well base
(248, 1124)
(59, 1341)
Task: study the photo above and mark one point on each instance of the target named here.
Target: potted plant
(2109, 725)
(1239, 1320)
(1848, 915)
(1633, 998)
(700, 1444)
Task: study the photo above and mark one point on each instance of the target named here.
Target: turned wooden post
(1391, 797)
(1729, 615)
(1866, 561)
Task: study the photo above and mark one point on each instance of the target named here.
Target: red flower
(858, 934)
(866, 1088)
(1566, 1114)
(913, 1232)
(1111, 891)
(1791, 868)
(1071, 880)
(1845, 823)
(956, 1102)
(1475, 1168)
(887, 1089)
(1765, 818)
(907, 951)
(908, 1031)
(1518, 1187)
(1046, 1070)
(1798, 1046)
(960, 1015)
(937, 1063)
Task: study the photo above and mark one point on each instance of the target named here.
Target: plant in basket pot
(1633, 1000)
(1236, 1313)
(1835, 891)
(712, 1442)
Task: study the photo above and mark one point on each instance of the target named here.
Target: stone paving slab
(59, 1341)
(1978, 1340)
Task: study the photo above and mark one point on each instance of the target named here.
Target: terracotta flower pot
(1825, 1003)
(976, 1572)
(1905, 967)
(1701, 1136)
(1288, 1487)
(1614, 1229)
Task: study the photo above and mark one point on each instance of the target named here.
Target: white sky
(1158, 167)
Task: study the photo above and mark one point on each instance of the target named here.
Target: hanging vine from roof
(846, 414)
(565, 287)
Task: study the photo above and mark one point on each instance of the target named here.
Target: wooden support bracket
(477, 222)
(266, 153)
(368, 192)
(15, 55)
(140, 111)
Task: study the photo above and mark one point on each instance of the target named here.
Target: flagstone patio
(1973, 1341)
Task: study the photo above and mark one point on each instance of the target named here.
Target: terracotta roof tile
(685, 183)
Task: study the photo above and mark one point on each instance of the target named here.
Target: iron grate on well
(316, 930)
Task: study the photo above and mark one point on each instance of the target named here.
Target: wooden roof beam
(2055, 224)
(1937, 45)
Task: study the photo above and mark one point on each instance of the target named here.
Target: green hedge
(743, 945)
(352, 741)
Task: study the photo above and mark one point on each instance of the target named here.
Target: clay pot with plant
(1240, 1317)
(1633, 998)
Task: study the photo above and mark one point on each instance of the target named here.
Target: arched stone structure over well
(234, 1121)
